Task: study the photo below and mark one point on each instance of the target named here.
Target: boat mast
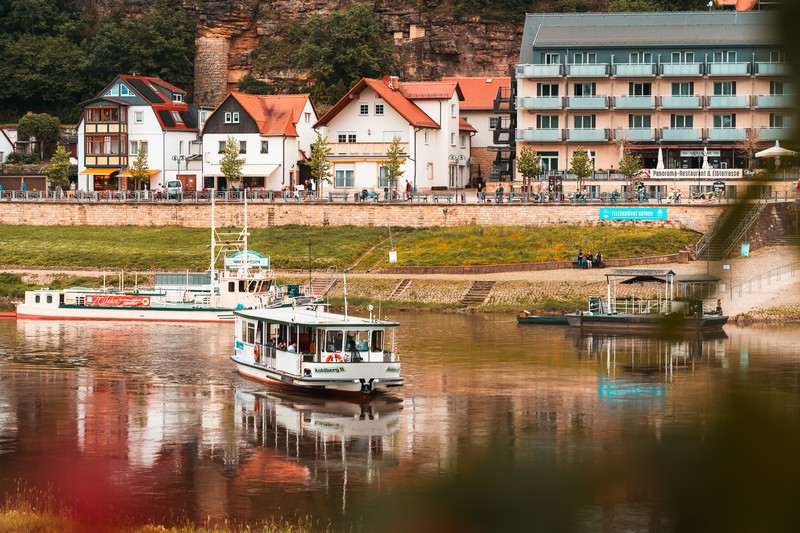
(211, 269)
(244, 237)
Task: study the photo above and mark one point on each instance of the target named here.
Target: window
(639, 121)
(307, 117)
(724, 121)
(681, 121)
(344, 178)
(584, 122)
(363, 109)
(777, 56)
(138, 117)
(640, 89)
(452, 139)
(346, 137)
(105, 145)
(425, 138)
(777, 88)
(180, 147)
(725, 57)
(780, 121)
(135, 145)
(453, 111)
(177, 117)
(547, 122)
(104, 114)
(546, 89)
(242, 147)
(124, 91)
(177, 97)
(264, 147)
(584, 89)
(579, 58)
(494, 122)
(463, 141)
(378, 109)
(551, 58)
(549, 160)
(235, 117)
(724, 88)
(388, 136)
(683, 57)
(640, 57)
(221, 147)
(684, 88)
(383, 181)
(232, 117)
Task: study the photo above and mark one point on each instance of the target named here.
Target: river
(499, 427)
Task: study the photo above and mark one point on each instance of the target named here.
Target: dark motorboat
(525, 317)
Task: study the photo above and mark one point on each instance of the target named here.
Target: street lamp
(178, 159)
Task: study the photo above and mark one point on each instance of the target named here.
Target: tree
(750, 144)
(58, 169)
(529, 164)
(630, 165)
(250, 85)
(393, 162)
(320, 166)
(581, 165)
(41, 126)
(231, 164)
(140, 170)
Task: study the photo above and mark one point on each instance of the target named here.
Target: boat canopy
(640, 275)
(310, 317)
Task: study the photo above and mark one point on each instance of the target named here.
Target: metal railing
(765, 278)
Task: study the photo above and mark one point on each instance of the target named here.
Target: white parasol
(775, 152)
(660, 163)
(705, 158)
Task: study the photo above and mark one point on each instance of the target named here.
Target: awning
(127, 172)
(100, 171)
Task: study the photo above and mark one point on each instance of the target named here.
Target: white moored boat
(308, 348)
(245, 281)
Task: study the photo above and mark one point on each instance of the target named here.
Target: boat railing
(628, 306)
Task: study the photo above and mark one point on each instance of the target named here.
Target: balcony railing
(541, 102)
(774, 134)
(363, 148)
(539, 71)
(775, 100)
(772, 69)
(681, 135)
(588, 135)
(681, 102)
(636, 134)
(634, 102)
(728, 102)
(594, 70)
(682, 69)
(729, 69)
(635, 70)
(727, 134)
(587, 102)
(534, 135)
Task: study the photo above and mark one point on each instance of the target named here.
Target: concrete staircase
(786, 240)
(401, 287)
(477, 293)
(717, 244)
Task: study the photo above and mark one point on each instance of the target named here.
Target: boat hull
(643, 322)
(538, 319)
(156, 314)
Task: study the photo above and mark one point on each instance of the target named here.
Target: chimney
(395, 83)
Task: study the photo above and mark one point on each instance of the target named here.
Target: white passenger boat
(244, 281)
(308, 348)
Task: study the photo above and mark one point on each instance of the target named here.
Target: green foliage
(529, 163)
(393, 162)
(58, 169)
(41, 126)
(319, 164)
(250, 85)
(231, 164)
(140, 169)
(581, 165)
(630, 165)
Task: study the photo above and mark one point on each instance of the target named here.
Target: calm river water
(500, 427)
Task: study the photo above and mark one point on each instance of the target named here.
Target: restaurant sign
(117, 300)
(633, 213)
(700, 153)
(696, 173)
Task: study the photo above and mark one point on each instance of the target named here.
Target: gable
(215, 123)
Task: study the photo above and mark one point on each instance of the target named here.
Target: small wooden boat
(525, 317)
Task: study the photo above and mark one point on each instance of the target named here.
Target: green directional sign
(633, 213)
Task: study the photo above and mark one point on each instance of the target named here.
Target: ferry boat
(311, 349)
(653, 309)
(245, 281)
(526, 317)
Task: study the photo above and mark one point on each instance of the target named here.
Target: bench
(437, 197)
(341, 196)
(602, 264)
(513, 197)
(419, 198)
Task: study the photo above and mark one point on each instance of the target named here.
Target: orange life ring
(255, 352)
(334, 356)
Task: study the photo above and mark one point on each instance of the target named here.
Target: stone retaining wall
(695, 217)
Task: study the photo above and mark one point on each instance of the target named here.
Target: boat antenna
(344, 275)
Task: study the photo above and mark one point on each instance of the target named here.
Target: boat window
(333, 341)
(251, 333)
(377, 340)
(38, 299)
(259, 332)
(362, 340)
(231, 286)
(272, 333)
(49, 298)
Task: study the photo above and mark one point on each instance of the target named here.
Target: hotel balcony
(635, 70)
(772, 69)
(534, 135)
(774, 134)
(682, 69)
(540, 102)
(588, 135)
(728, 102)
(587, 102)
(727, 134)
(775, 100)
(539, 71)
(681, 102)
(634, 102)
(636, 134)
(729, 69)
(594, 70)
(363, 149)
(681, 135)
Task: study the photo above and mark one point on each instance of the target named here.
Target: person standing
(580, 258)
(589, 259)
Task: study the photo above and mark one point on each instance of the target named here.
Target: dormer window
(177, 117)
(177, 97)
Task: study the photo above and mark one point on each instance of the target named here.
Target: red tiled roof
(394, 98)
(479, 92)
(274, 114)
(463, 125)
(429, 90)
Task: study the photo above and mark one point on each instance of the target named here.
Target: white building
(425, 116)
(133, 111)
(274, 134)
(6, 144)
